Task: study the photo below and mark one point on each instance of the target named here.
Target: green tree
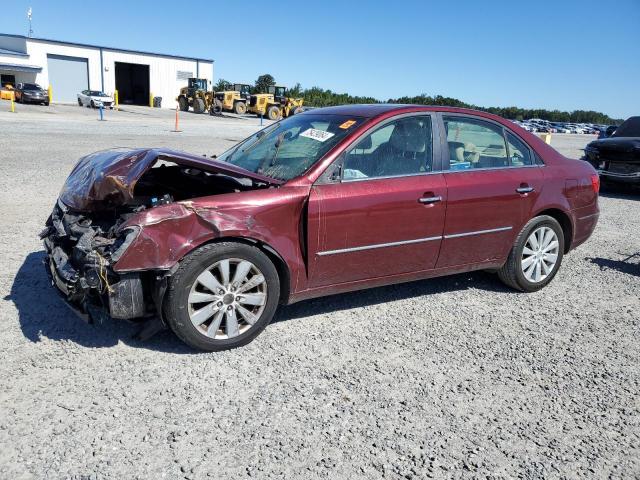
(264, 82)
(319, 97)
(296, 91)
(222, 85)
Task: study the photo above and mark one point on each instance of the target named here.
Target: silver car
(95, 99)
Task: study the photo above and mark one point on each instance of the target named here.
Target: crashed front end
(81, 252)
(123, 219)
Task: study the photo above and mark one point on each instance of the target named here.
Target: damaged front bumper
(79, 261)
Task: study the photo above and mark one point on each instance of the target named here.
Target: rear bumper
(585, 221)
(620, 177)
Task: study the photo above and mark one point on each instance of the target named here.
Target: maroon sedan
(327, 201)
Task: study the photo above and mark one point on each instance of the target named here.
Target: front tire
(198, 105)
(222, 296)
(536, 255)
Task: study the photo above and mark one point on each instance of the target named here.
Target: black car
(31, 93)
(617, 158)
(607, 132)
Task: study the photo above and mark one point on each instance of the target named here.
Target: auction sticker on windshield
(319, 135)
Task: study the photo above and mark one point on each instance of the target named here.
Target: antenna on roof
(29, 17)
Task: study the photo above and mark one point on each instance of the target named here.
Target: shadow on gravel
(629, 265)
(620, 191)
(375, 296)
(43, 314)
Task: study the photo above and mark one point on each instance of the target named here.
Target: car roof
(377, 109)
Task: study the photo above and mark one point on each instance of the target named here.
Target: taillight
(595, 182)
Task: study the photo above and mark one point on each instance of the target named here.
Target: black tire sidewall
(176, 304)
(544, 221)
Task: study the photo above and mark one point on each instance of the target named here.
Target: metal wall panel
(68, 76)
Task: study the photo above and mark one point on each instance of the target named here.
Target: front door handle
(429, 200)
(524, 189)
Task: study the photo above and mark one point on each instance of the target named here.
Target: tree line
(319, 97)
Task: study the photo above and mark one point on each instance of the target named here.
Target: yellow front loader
(275, 104)
(197, 96)
(234, 100)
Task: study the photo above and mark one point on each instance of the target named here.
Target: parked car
(327, 201)
(562, 129)
(95, 99)
(607, 132)
(617, 158)
(31, 93)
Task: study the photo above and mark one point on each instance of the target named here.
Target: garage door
(68, 76)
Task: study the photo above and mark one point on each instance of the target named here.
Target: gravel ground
(455, 377)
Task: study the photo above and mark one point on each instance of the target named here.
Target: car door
(379, 209)
(492, 181)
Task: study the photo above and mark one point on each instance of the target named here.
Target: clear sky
(564, 54)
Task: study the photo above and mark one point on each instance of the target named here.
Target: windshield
(630, 128)
(288, 148)
(96, 93)
(31, 86)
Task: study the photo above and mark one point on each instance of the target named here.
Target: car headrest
(365, 143)
(409, 136)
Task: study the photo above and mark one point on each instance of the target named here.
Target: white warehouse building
(70, 68)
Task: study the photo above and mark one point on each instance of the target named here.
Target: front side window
(290, 147)
(474, 144)
(401, 147)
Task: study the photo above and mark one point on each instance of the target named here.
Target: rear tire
(199, 283)
(198, 105)
(519, 271)
(79, 102)
(183, 104)
(240, 108)
(273, 113)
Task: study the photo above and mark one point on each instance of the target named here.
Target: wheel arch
(564, 219)
(281, 266)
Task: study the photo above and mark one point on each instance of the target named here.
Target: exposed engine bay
(83, 244)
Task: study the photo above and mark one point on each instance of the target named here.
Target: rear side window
(474, 144)
(519, 154)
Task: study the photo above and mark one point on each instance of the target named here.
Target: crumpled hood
(107, 179)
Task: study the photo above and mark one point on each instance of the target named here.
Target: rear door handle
(428, 200)
(524, 189)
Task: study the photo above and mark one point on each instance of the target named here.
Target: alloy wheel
(227, 298)
(540, 254)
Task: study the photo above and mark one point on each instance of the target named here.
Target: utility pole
(29, 17)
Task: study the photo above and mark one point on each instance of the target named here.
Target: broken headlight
(124, 240)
